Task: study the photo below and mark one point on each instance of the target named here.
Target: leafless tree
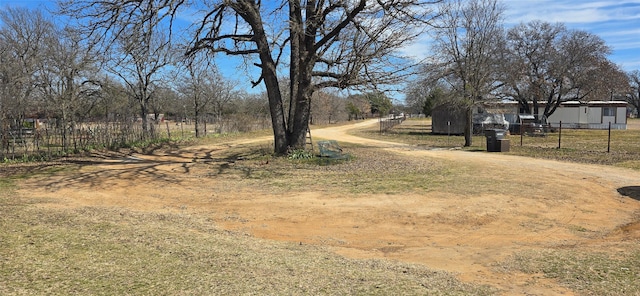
(206, 91)
(143, 56)
(330, 43)
(468, 50)
(551, 64)
(113, 104)
(67, 77)
(328, 107)
(358, 106)
(253, 105)
(23, 36)
(633, 95)
(136, 37)
(604, 81)
(416, 96)
(428, 90)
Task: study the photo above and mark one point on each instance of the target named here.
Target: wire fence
(603, 140)
(388, 123)
(52, 139)
(615, 146)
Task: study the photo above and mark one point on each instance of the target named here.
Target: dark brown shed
(448, 119)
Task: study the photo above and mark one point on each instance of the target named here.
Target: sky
(617, 22)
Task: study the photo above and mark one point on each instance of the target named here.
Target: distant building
(590, 115)
(449, 119)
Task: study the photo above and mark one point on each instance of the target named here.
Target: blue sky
(616, 21)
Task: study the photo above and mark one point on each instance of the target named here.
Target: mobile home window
(608, 111)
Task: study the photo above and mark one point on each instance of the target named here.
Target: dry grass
(117, 251)
(603, 270)
(114, 251)
(369, 171)
(576, 145)
(588, 273)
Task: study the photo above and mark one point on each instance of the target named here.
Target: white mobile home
(590, 115)
(572, 114)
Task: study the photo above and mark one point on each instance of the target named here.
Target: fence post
(609, 139)
(521, 132)
(560, 135)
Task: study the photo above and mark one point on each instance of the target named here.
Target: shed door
(583, 114)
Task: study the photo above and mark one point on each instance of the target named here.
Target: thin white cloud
(572, 11)
(617, 22)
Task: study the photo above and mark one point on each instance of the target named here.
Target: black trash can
(496, 141)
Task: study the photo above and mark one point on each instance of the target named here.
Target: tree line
(135, 60)
(537, 64)
(56, 76)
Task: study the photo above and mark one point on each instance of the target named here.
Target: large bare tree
(604, 81)
(328, 43)
(550, 64)
(142, 54)
(468, 48)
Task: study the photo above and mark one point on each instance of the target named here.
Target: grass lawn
(576, 145)
(117, 251)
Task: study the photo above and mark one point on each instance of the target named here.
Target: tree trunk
(295, 67)
(197, 118)
(145, 122)
(277, 113)
(301, 67)
(468, 129)
(300, 125)
(276, 109)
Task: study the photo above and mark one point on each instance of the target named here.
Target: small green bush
(300, 154)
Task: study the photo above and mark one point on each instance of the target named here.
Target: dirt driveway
(551, 204)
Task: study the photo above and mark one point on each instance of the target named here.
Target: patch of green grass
(116, 251)
(588, 272)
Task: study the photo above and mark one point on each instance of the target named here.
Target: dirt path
(549, 204)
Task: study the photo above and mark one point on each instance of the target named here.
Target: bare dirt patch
(525, 204)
